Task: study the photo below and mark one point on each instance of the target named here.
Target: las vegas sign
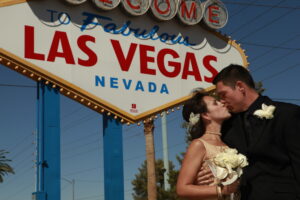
(117, 61)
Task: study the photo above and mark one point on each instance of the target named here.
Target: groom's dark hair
(233, 73)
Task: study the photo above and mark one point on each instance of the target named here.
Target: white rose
(194, 119)
(242, 160)
(265, 112)
(231, 151)
(230, 159)
(221, 172)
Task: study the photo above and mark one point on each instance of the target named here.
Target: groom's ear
(240, 86)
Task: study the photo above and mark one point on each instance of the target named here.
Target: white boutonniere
(265, 112)
(194, 118)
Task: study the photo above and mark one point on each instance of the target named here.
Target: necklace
(213, 133)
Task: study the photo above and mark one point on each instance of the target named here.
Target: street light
(73, 186)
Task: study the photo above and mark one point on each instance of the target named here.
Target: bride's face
(216, 110)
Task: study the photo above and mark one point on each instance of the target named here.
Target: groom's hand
(204, 177)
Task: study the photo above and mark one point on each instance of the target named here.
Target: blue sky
(267, 29)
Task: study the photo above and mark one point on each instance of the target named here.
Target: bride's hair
(195, 105)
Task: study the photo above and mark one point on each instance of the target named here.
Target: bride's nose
(220, 103)
(223, 102)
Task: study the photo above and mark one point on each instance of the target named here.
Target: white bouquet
(227, 165)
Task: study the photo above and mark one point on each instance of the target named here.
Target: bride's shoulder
(197, 143)
(196, 148)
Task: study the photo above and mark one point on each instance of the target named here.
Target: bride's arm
(190, 166)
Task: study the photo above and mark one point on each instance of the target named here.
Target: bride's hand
(232, 188)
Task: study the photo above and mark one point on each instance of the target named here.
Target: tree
(259, 87)
(4, 167)
(150, 155)
(140, 182)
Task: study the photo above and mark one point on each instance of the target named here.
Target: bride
(205, 116)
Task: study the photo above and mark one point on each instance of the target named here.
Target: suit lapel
(241, 134)
(260, 130)
(235, 135)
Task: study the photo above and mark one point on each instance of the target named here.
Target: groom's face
(230, 96)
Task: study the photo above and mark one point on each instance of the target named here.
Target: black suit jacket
(273, 154)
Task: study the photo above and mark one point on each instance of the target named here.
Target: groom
(270, 138)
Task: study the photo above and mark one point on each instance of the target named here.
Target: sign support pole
(48, 144)
(113, 159)
(165, 151)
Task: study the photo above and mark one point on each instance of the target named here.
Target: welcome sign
(115, 63)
